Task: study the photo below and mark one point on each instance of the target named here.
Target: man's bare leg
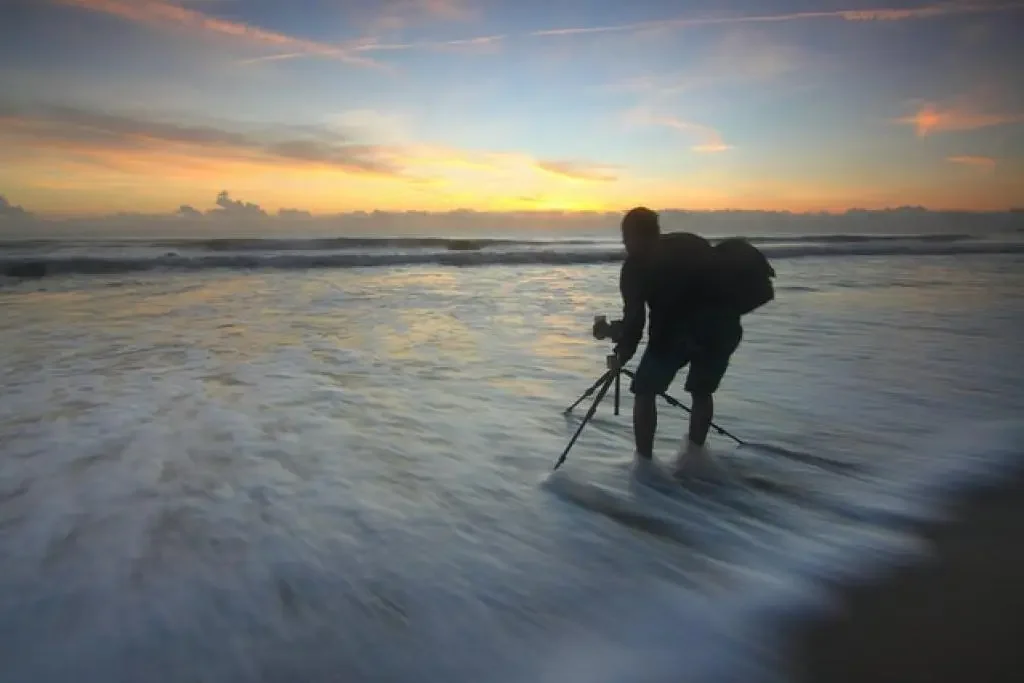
(645, 424)
(702, 412)
(693, 458)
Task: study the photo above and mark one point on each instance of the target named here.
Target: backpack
(743, 275)
(685, 251)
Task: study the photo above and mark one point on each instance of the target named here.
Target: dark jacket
(673, 282)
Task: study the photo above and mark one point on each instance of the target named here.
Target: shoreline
(956, 616)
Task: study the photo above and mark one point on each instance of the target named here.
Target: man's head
(640, 231)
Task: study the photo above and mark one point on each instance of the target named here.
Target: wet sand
(956, 617)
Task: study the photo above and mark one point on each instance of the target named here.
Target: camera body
(607, 330)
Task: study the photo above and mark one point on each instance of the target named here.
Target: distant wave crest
(370, 252)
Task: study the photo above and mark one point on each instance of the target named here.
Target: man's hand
(615, 330)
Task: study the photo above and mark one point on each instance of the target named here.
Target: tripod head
(608, 330)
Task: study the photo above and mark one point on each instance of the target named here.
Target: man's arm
(634, 312)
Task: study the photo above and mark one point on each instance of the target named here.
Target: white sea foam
(664, 632)
(273, 476)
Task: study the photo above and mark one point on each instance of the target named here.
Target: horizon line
(298, 215)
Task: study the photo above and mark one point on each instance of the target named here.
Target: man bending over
(688, 325)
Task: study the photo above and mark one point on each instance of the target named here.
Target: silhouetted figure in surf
(696, 294)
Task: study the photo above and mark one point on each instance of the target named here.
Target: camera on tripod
(607, 330)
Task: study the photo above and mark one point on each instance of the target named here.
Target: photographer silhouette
(695, 294)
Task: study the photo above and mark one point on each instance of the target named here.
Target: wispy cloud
(387, 126)
(876, 14)
(393, 15)
(576, 170)
(475, 44)
(140, 144)
(478, 45)
(741, 56)
(454, 9)
(709, 139)
(980, 162)
(167, 15)
(273, 58)
(512, 163)
(933, 118)
(97, 134)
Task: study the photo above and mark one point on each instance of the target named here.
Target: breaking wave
(36, 258)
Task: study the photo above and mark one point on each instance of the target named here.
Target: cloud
(231, 208)
(85, 149)
(272, 58)
(878, 14)
(478, 44)
(294, 214)
(395, 15)
(374, 124)
(986, 163)
(741, 56)
(228, 208)
(710, 140)
(10, 211)
(904, 14)
(563, 168)
(94, 132)
(933, 118)
(534, 212)
(577, 170)
(506, 164)
(167, 15)
(399, 14)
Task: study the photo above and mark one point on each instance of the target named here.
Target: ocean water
(332, 461)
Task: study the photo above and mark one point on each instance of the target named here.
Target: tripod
(605, 381)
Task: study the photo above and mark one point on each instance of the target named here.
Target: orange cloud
(878, 14)
(987, 163)
(931, 118)
(164, 14)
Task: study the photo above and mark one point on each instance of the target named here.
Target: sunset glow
(146, 106)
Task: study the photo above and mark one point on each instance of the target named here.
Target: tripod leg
(588, 392)
(609, 378)
(618, 382)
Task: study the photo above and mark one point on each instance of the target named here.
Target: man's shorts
(707, 346)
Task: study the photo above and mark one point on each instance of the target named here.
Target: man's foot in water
(648, 472)
(694, 461)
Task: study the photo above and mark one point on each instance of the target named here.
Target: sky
(335, 106)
